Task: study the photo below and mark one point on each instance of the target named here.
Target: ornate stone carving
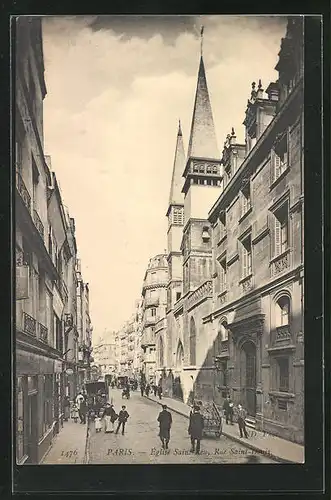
(280, 264)
(204, 291)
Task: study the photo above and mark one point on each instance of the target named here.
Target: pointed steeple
(203, 143)
(176, 195)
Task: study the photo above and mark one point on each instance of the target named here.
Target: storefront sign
(69, 371)
(57, 303)
(28, 363)
(22, 282)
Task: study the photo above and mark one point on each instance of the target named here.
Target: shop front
(35, 398)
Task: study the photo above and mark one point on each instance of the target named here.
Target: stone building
(45, 319)
(237, 328)
(154, 294)
(104, 354)
(84, 328)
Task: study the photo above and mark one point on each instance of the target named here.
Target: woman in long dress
(109, 417)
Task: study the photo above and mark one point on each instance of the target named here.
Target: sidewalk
(68, 447)
(273, 446)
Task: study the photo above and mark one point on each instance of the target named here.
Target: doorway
(249, 379)
(32, 428)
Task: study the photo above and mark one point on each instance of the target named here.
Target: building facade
(104, 354)
(46, 252)
(154, 294)
(237, 326)
(84, 328)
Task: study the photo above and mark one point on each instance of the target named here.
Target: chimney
(260, 90)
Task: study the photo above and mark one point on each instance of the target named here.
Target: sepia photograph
(159, 237)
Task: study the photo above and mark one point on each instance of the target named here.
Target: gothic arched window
(283, 311)
(192, 343)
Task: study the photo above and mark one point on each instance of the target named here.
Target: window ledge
(243, 216)
(282, 395)
(223, 292)
(221, 240)
(278, 257)
(282, 175)
(246, 278)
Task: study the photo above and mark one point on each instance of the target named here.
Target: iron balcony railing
(39, 225)
(29, 324)
(24, 193)
(43, 332)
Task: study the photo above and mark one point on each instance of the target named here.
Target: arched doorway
(248, 379)
(177, 386)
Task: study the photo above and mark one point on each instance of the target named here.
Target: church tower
(175, 216)
(201, 189)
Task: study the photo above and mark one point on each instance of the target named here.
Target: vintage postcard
(159, 240)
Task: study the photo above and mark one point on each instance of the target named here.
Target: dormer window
(280, 157)
(215, 169)
(245, 199)
(209, 170)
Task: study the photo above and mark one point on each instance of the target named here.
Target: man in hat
(195, 429)
(165, 421)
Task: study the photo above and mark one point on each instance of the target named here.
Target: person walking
(241, 420)
(195, 429)
(147, 389)
(122, 419)
(82, 411)
(75, 413)
(159, 391)
(110, 417)
(66, 408)
(228, 410)
(155, 389)
(165, 421)
(97, 423)
(142, 388)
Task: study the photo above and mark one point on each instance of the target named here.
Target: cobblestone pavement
(141, 444)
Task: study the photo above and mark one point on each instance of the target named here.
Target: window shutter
(244, 257)
(276, 166)
(277, 236)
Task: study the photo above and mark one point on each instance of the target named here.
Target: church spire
(203, 142)
(176, 196)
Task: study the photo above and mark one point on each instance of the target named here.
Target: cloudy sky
(116, 89)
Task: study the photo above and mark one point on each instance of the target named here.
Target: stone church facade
(234, 315)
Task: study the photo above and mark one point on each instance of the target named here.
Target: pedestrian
(195, 429)
(79, 399)
(122, 419)
(165, 421)
(159, 391)
(147, 389)
(74, 413)
(228, 410)
(82, 411)
(97, 423)
(142, 389)
(241, 412)
(66, 408)
(110, 417)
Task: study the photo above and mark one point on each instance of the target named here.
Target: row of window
(280, 243)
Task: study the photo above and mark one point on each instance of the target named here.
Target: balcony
(152, 302)
(280, 263)
(283, 333)
(29, 324)
(39, 225)
(202, 292)
(151, 320)
(43, 332)
(24, 193)
(247, 283)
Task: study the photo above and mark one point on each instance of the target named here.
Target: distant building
(104, 354)
(154, 293)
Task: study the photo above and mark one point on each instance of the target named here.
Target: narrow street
(141, 444)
